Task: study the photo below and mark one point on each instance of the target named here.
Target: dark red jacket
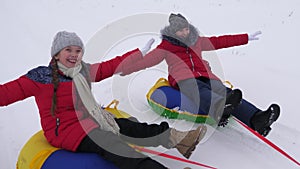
(186, 62)
(74, 125)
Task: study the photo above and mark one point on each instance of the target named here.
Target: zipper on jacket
(57, 125)
(190, 55)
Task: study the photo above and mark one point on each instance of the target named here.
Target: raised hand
(147, 47)
(254, 35)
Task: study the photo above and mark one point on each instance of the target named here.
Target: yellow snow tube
(114, 110)
(35, 152)
(37, 149)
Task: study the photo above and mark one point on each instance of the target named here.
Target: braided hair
(55, 82)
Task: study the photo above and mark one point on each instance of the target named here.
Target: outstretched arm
(17, 90)
(100, 71)
(130, 62)
(225, 41)
(152, 58)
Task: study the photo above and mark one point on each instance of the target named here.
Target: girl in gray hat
(72, 119)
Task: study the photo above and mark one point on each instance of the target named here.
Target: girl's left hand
(254, 35)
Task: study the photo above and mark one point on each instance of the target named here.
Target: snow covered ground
(265, 70)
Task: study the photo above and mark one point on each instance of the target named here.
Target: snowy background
(265, 70)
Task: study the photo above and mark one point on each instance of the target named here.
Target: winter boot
(233, 99)
(262, 120)
(186, 141)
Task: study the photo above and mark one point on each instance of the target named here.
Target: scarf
(105, 119)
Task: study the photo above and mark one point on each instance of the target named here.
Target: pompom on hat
(63, 39)
(177, 22)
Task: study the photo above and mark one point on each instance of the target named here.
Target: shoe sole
(274, 115)
(272, 118)
(266, 131)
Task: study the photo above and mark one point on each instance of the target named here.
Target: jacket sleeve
(17, 90)
(225, 41)
(100, 71)
(152, 58)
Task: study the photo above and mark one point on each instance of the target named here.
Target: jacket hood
(169, 35)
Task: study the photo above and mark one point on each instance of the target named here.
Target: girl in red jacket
(72, 119)
(181, 47)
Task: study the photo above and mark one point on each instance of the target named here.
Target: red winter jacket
(187, 62)
(73, 124)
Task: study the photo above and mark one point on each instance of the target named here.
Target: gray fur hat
(177, 22)
(63, 39)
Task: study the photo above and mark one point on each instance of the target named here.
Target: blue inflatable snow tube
(171, 103)
(62, 159)
(171, 98)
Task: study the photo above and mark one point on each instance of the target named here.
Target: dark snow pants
(114, 148)
(209, 95)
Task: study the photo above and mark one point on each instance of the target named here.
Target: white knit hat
(63, 39)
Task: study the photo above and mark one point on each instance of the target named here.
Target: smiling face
(70, 56)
